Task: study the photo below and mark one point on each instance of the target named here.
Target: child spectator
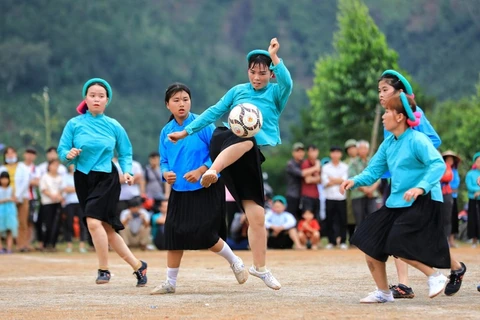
(309, 230)
(280, 226)
(137, 224)
(8, 212)
(158, 224)
(238, 237)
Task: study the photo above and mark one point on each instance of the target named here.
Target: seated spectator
(158, 224)
(280, 226)
(238, 239)
(309, 230)
(137, 224)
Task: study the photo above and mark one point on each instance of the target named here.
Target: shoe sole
(405, 296)
(154, 293)
(208, 179)
(102, 281)
(439, 292)
(245, 277)
(274, 288)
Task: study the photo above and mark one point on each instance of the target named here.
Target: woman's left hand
(128, 178)
(413, 193)
(192, 176)
(175, 136)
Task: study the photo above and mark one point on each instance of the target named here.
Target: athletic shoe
(456, 277)
(141, 275)
(436, 285)
(164, 288)
(240, 271)
(329, 246)
(478, 288)
(343, 246)
(209, 177)
(267, 277)
(68, 250)
(401, 291)
(378, 296)
(103, 276)
(83, 250)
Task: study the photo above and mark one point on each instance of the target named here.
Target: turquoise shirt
(414, 163)
(98, 137)
(185, 155)
(270, 100)
(424, 127)
(471, 182)
(455, 183)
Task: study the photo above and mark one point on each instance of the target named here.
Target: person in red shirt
(309, 230)
(310, 200)
(447, 198)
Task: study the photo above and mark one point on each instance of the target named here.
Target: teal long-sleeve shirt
(471, 182)
(98, 137)
(414, 163)
(270, 100)
(185, 155)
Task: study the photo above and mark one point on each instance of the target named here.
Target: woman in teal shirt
(409, 226)
(88, 141)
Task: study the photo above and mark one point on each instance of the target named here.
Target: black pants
(293, 206)
(336, 211)
(48, 223)
(72, 210)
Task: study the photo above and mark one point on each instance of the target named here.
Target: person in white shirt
(137, 224)
(333, 174)
(50, 155)
(128, 192)
(280, 226)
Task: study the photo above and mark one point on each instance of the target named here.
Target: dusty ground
(316, 285)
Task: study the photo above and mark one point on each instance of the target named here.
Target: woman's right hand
(170, 176)
(346, 185)
(73, 153)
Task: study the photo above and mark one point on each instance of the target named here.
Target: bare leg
(9, 240)
(315, 239)
(454, 263)
(379, 272)
(302, 237)
(428, 271)
(174, 257)
(100, 241)
(257, 235)
(402, 271)
(117, 243)
(292, 233)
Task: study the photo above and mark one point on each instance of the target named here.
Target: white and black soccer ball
(245, 120)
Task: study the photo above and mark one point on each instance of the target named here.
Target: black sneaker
(141, 275)
(478, 288)
(401, 291)
(103, 276)
(456, 277)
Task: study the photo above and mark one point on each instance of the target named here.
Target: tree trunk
(376, 125)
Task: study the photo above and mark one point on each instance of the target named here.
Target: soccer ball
(245, 120)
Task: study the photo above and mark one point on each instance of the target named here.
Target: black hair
(4, 174)
(312, 147)
(154, 154)
(5, 153)
(172, 90)
(51, 162)
(393, 81)
(51, 149)
(260, 60)
(98, 84)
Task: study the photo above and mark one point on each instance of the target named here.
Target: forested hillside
(142, 46)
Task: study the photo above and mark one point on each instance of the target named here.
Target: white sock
(227, 253)
(172, 274)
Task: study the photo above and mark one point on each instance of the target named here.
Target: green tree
(344, 92)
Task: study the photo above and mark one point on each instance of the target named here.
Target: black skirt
(98, 194)
(455, 216)
(243, 178)
(414, 233)
(473, 222)
(196, 219)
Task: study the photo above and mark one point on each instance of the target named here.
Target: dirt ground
(315, 285)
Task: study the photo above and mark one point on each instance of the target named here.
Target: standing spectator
(29, 157)
(310, 201)
(137, 224)
(51, 198)
(51, 154)
(473, 227)
(447, 199)
(309, 230)
(72, 209)
(333, 174)
(280, 225)
(158, 224)
(364, 199)
(128, 192)
(323, 214)
(8, 212)
(352, 153)
(452, 159)
(155, 187)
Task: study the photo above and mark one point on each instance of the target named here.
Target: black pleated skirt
(243, 178)
(414, 233)
(196, 219)
(98, 194)
(455, 216)
(473, 223)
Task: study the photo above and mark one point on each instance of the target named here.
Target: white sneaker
(378, 296)
(209, 177)
(344, 246)
(267, 277)
(239, 271)
(436, 285)
(164, 288)
(329, 246)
